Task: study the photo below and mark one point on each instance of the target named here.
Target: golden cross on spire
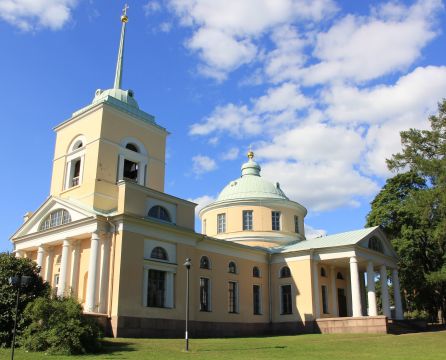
(250, 152)
(124, 17)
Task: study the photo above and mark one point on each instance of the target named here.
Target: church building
(111, 237)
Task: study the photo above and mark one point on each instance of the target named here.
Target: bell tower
(108, 141)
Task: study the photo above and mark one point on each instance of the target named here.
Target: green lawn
(423, 346)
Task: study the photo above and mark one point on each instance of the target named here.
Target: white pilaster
(90, 301)
(384, 291)
(317, 306)
(371, 293)
(334, 292)
(49, 265)
(356, 295)
(40, 255)
(62, 287)
(75, 255)
(18, 254)
(169, 289)
(103, 285)
(397, 295)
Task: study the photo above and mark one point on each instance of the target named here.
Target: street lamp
(17, 281)
(187, 264)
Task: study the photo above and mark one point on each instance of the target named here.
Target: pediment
(32, 225)
(379, 238)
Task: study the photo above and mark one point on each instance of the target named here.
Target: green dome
(126, 96)
(251, 185)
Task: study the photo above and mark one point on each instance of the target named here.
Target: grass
(426, 346)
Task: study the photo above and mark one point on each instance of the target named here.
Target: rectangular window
(275, 217)
(233, 306)
(256, 299)
(221, 223)
(247, 219)
(324, 299)
(286, 301)
(203, 230)
(131, 170)
(204, 295)
(296, 224)
(156, 291)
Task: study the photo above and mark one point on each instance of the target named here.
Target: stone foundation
(364, 325)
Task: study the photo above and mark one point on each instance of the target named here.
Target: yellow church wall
(301, 289)
(84, 260)
(115, 273)
(130, 294)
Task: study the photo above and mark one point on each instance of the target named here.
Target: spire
(118, 74)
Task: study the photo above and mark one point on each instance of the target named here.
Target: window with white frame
(74, 162)
(133, 160)
(55, 218)
(275, 218)
(221, 223)
(247, 219)
(205, 294)
(232, 297)
(156, 290)
(286, 300)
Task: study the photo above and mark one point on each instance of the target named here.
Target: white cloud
(165, 27)
(202, 201)
(231, 154)
(312, 233)
(232, 119)
(226, 32)
(30, 15)
(203, 164)
(360, 49)
(151, 7)
(285, 97)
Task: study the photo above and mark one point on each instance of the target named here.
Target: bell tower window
(75, 163)
(132, 161)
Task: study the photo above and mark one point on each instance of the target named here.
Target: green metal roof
(251, 186)
(341, 239)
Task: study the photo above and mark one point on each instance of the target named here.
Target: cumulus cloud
(30, 15)
(231, 154)
(202, 201)
(203, 164)
(226, 33)
(312, 233)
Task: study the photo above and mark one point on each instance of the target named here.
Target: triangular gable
(51, 204)
(382, 238)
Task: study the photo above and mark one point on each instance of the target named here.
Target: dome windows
(232, 267)
(205, 263)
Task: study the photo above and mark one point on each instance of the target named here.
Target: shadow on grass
(116, 348)
(243, 349)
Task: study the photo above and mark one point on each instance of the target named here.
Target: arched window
(339, 276)
(78, 144)
(159, 253)
(323, 272)
(132, 147)
(255, 272)
(205, 263)
(232, 268)
(56, 218)
(376, 244)
(285, 272)
(159, 212)
(75, 159)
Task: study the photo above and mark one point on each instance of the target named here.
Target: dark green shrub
(11, 266)
(58, 327)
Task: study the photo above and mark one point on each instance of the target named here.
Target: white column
(356, 294)
(18, 254)
(384, 291)
(40, 255)
(371, 294)
(317, 306)
(397, 295)
(334, 292)
(49, 265)
(75, 255)
(90, 300)
(62, 287)
(105, 261)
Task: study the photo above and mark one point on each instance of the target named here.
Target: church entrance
(342, 303)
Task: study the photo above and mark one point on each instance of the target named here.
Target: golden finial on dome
(124, 17)
(250, 154)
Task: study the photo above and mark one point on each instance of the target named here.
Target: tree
(411, 208)
(11, 266)
(58, 326)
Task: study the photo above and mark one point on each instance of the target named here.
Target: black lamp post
(187, 264)
(17, 281)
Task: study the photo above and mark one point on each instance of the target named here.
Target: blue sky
(320, 89)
